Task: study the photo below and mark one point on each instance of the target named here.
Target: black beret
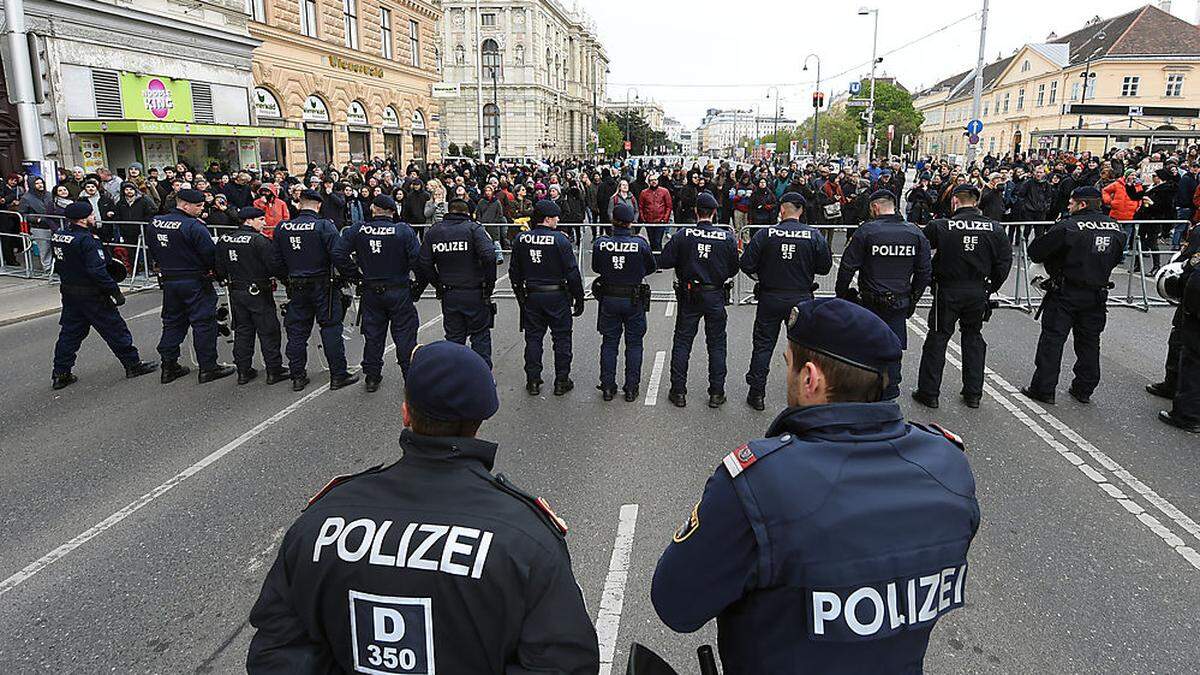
(705, 200)
(547, 209)
(883, 194)
(384, 202)
(794, 198)
(844, 331)
(190, 196)
(311, 196)
(77, 210)
(623, 213)
(251, 212)
(966, 188)
(1085, 192)
(450, 382)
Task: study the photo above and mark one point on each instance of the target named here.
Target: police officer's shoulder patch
(689, 526)
(339, 480)
(539, 505)
(939, 430)
(745, 456)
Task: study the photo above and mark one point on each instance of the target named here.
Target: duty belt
(618, 291)
(448, 287)
(383, 286)
(306, 282)
(547, 288)
(182, 276)
(81, 290)
(253, 287)
(695, 286)
(1089, 287)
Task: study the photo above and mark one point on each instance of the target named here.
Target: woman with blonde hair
(435, 208)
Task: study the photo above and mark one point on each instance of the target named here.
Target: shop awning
(179, 129)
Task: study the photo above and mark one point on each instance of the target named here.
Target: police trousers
(1070, 310)
(548, 311)
(710, 306)
(617, 316)
(897, 320)
(1187, 393)
(966, 307)
(774, 308)
(467, 314)
(79, 315)
(189, 302)
(1174, 349)
(254, 315)
(380, 310)
(305, 305)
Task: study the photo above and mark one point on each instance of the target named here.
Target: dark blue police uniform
(1185, 409)
(622, 260)
(784, 259)
(836, 543)
(306, 245)
(894, 268)
(545, 277)
(704, 257)
(385, 255)
(248, 262)
(458, 259)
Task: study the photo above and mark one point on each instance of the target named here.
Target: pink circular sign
(158, 98)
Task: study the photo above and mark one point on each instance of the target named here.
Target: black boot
(1160, 389)
(217, 373)
(62, 380)
(1048, 399)
(608, 393)
(563, 386)
(924, 399)
(757, 401)
(1168, 418)
(171, 371)
(373, 382)
(716, 400)
(299, 381)
(534, 387)
(245, 376)
(140, 368)
(631, 394)
(1080, 396)
(679, 399)
(342, 380)
(971, 400)
(277, 376)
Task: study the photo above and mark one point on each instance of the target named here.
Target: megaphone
(1168, 282)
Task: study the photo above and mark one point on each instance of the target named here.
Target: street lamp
(776, 127)
(816, 102)
(865, 11)
(629, 119)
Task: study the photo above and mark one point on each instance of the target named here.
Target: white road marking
(149, 312)
(259, 559)
(136, 505)
(670, 308)
(612, 599)
(1003, 390)
(655, 378)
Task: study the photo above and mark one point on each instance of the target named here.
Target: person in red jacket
(1123, 197)
(276, 209)
(654, 206)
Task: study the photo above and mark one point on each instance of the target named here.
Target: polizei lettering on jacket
(705, 234)
(538, 239)
(235, 239)
(619, 246)
(790, 234)
(1089, 225)
(894, 250)
(298, 227)
(450, 246)
(165, 224)
(449, 549)
(880, 610)
(970, 225)
(378, 230)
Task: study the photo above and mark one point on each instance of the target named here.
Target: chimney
(1165, 5)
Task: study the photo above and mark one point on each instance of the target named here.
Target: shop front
(393, 135)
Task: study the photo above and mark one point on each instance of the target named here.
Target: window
(1021, 99)
(308, 17)
(986, 106)
(1053, 92)
(491, 59)
(1041, 95)
(256, 9)
(491, 122)
(1074, 91)
(1025, 66)
(1007, 99)
(350, 22)
(1174, 85)
(488, 20)
(519, 55)
(385, 31)
(414, 42)
(1129, 86)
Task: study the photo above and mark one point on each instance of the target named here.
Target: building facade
(1142, 71)
(721, 131)
(354, 77)
(543, 78)
(650, 110)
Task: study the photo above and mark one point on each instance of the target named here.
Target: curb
(30, 316)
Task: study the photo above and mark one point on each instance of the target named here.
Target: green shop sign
(156, 98)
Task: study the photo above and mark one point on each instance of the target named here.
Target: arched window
(460, 55)
(491, 121)
(491, 59)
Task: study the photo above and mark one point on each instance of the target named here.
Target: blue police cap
(384, 202)
(546, 209)
(251, 212)
(794, 198)
(967, 189)
(883, 194)
(1085, 192)
(451, 383)
(77, 210)
(844, 331)
(310, 195)
(623, 213)
(190, 196)
(705, 200)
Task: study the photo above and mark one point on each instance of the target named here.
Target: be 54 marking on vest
(881, 610)
(391, 635)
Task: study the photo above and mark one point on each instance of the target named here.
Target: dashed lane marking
(655, 378)
(670, 308)
(612, 599)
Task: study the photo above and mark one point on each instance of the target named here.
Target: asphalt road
(139, 519)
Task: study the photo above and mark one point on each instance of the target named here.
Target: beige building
(650, 110)
(354, 75)
(1143, 74)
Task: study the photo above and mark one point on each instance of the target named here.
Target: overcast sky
(691, 55)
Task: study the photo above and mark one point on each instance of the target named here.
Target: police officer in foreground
(892, 260)
(972, 260)
(545, 277)
(248, 262)
(306, 245)
(1079, 253)
(431, 563)
(1185, 413)
(185, 254)
(385, 253)
(705, 259)
(836, 543)
(622, 260)
(1189, 257)
(783, 259)
(90, 297)
(458, 259)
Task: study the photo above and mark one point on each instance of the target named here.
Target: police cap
(966, 189)
(623, 213)
(190, 196)
(546, 209)
(793, 198)
(250, 213)
(384, 202)
(451, 383)
(844, 331)
(310, 195)
(77, 210)
(705, 200)
(883, 194)
(1085, 192)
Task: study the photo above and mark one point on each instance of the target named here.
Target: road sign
(975, 126)
(1135, 111)
(855, 87)
(628, 145)
(973, 139)
(891, 132)
(857, 103)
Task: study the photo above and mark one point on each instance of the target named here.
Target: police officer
(545, 277)
(783, 259)
(247, 261)
(622, 260)
(1080, 253)
(184, 251)
(972, 261)
(892, 260)
(459, 259)
(431, 563)
(1169, 385)
(90, 297)
(705, 259)
(306, 245)
(803, 569)
(1185, 413)
(385, 255)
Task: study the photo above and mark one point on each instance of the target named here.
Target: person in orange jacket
(1123, 197)
(276, 209)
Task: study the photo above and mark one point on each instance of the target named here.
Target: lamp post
(865, 11)
(629, 119)
(496, 107)
(1088, 76)
(775, 130)
(479, 77)
(816, 102)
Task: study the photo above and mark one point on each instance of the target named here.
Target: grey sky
(726, 54)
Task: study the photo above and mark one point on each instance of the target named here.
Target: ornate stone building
(544, 72)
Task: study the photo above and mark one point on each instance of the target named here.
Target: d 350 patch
(391, 635)
(689, 526)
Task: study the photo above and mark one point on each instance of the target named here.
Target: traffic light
(818, 99)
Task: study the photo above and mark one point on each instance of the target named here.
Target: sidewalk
(23, 299)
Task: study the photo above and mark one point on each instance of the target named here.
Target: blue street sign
(855, 87)
(974, 127)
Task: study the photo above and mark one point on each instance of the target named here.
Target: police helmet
(116, 269)
(1168, 280)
